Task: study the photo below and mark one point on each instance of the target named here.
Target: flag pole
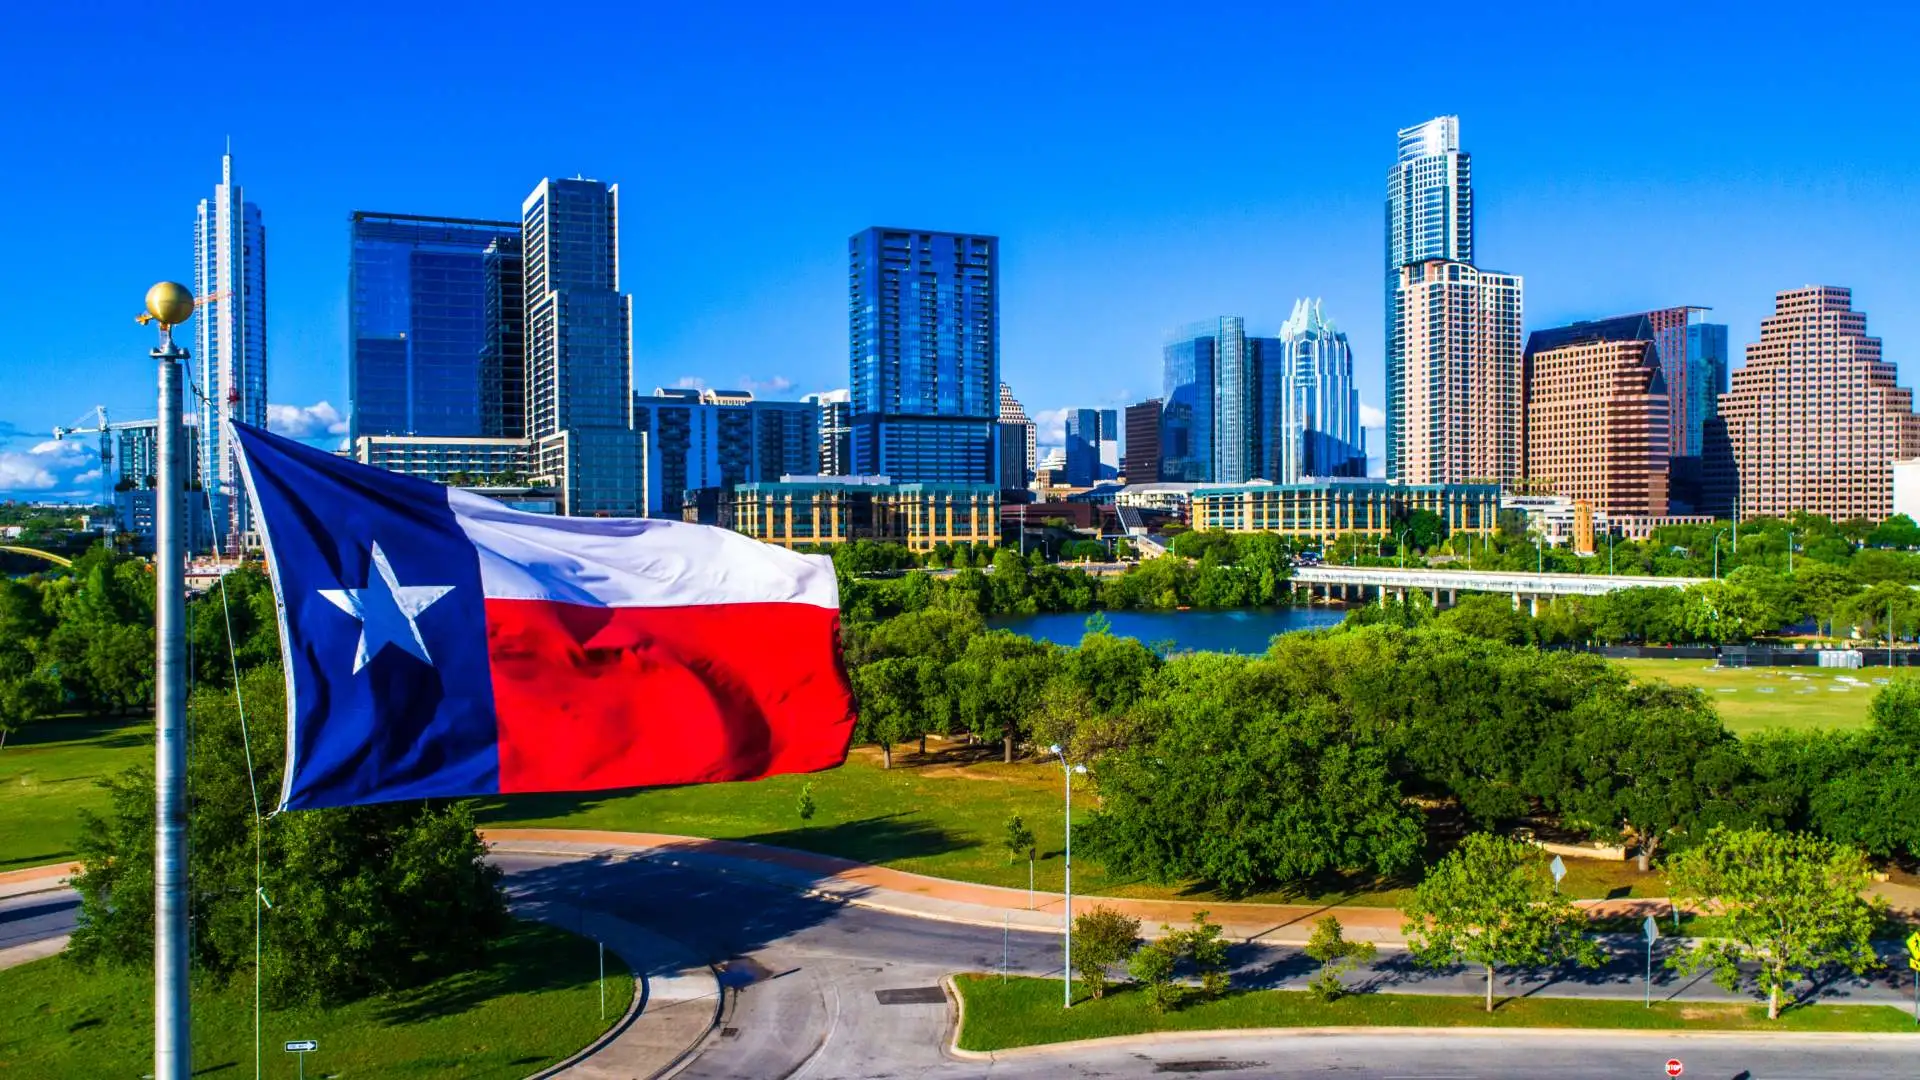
(170, 304)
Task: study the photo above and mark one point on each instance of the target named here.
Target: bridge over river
(1352, 583)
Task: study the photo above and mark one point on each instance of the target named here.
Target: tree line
(1358, 750)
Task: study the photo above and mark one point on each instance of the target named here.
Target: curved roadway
(821, 989)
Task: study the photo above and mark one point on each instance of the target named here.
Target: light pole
(1609, 553)
(1066, 916)
(170, 304)
(1539, 554)
(1404, 534)
(1716, 551)
(1789, 551)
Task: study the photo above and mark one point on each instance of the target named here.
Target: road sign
(303, 1046)
(1913, 944)
(1559, 871)
(1674, 1068)
(1651, 929)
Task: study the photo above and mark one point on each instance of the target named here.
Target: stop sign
(1674, 1068)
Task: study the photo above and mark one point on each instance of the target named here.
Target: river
(1246, 631)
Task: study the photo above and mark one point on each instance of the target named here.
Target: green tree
(1821, 590)
(1864, 788)
(1652, 761)
(1019, 840)
(1897, 531)
(367, 899)
(1491, 902)
(1207, 950)
(1238, 780)
(888, 691)
(1153, 966)
(1336, 956)
(997, 684)
(1790, 904)
(1870, 609)
(805, 806)
(1102, 938)
(1491, 617)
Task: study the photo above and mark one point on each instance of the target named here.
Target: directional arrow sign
(303, 1046)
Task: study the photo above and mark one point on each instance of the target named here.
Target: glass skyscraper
(579, 376)
(1318, 417)
(1093, 446)
(503, 357)
(230, 278)
(1186, 417)
(924, 352)
(713, 441)
(417, 324)
(1429, 216)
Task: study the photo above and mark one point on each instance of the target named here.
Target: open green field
(1027, 1012)
(535, 1003)
(49, 773)
(1750, 700)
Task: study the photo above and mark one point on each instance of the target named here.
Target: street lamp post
(1066, 916)
(1609, 554)
(1539, 554)
(170, 304)
(1404, 535)
(1789, 551)
(1716, 551)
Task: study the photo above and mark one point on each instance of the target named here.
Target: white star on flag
(386, 610)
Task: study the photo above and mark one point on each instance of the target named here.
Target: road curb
(953, 1049)
(643, 996)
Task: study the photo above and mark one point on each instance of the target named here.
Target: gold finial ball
(170, 303)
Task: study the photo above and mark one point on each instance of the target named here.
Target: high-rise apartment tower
(1429, 216)
(230, 278)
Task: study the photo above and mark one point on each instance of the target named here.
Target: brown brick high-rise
(1815, 418)
(1598, 425)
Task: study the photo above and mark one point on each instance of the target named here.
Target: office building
(1093, 446)
(1461, 390)
(503, 356)
(1597, 417)
(1328, 509)
(136, 470)
(417, 323)
(579, 378)
(1315, 427)
(470, 461)
(836, 430)
(1429, 216)
(804, 510)
(230, 351)
(714, 440)
(1187, 418)
(1815, 419)
(924, 345)
(1019, 443)
(1140, 462)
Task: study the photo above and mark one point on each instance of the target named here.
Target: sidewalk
(36, 879)
(676, 998)
(920, 896)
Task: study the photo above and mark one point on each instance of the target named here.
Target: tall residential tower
(1429, 216)
(1462, 386)
(924, 355)
(578, 370)
(230, 278)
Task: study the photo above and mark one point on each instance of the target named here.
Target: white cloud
(1371, 416)
(773, 389)
(689, 382)
(779, 384)
(1052, 424)
(54, 464)
(306, 421)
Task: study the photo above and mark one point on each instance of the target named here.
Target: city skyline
(1095, 273)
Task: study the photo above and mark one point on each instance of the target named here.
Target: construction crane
(79, 427)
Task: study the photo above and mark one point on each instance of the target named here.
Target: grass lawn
(1027, 1012)
(535, 1003)
(1750, 700)
(48, 774)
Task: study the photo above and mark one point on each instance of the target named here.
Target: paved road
(826, 990)
(810, 975)
(37, 916)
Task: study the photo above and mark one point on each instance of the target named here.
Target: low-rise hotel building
(799, 510)
(1331, 508)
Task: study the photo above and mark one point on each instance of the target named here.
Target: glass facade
(578, 374)
(503, 358)
(1316, 428)
(1429, 216)
(230, 347)
(1233, 404)
(1186, 417)
(1093, 446)
(695, 442)
(924, 355)
(417, 324)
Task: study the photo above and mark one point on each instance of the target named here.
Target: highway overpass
(1362, 583)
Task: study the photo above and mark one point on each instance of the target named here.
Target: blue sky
(1144, 165)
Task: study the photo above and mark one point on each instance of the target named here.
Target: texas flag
(439, 644)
